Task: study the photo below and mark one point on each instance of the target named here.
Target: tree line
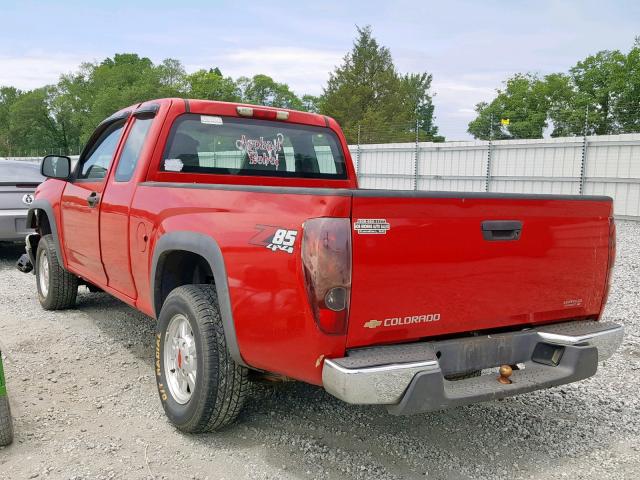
(600, 95)
(366, 90)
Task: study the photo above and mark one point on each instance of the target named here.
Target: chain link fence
(36, 154)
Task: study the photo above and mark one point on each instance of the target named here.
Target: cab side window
(95, 165)
(132, 148)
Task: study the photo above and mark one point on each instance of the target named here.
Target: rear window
(242, 146)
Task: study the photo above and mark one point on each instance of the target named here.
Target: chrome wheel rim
(180, 359)
(43, 273)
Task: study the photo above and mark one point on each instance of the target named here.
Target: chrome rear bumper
(384, 375)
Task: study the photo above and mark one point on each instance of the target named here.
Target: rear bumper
(13, 225)
(411, 378)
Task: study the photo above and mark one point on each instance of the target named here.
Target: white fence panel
(608, 165)
(529, 166)
(459, 166)
(612, 167)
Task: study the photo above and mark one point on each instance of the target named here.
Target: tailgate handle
(501, 230)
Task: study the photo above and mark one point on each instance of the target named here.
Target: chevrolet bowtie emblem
(372, 324)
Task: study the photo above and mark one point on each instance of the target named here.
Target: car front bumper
(410, 378)
(13, 225)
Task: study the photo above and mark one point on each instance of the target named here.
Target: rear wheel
(6, 425)
(201, 387)
(57, 288)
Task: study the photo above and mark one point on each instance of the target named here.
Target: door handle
(501, 230)
(93, 199)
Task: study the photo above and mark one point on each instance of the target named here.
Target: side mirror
(54, 166)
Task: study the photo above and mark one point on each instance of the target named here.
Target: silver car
(18, 182)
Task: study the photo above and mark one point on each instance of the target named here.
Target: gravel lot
(85, 406)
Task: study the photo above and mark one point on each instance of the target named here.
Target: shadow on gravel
(127, 326)
(468, 442)
(9, 254)
(298, 424)
(301, 428)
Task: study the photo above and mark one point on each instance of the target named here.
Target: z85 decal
(275, 238)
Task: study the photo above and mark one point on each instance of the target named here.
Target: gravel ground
(85, 406)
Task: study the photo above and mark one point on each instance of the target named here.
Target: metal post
(583, 165)
(358, 155)
(487, 179)
(490, 126)
(417, 156)
(583, 158)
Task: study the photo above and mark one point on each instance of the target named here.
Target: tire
(6, 424)
(214, 398)
(57, 288)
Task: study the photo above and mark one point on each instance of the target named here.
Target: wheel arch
(206, 248)
(41, 215)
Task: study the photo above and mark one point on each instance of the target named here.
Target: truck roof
(231, 109)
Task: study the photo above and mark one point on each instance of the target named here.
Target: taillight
(326, 260)
(262, 113)
(611, 260)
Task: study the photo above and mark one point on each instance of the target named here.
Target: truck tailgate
(429, 263)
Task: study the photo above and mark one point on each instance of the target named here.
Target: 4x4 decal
(275, 238)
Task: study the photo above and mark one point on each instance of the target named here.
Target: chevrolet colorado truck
(242, 230)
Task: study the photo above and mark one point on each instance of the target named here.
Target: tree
(8, 96)
(562, 114)
(211, 85)
(367, 91)
(627, 109)
(598, 80)
(126, 79)
(33, 123)
(598, 96)
(523, 102)
(264, 90)
(415, 94)
(310, 103)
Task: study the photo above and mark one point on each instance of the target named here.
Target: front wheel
(201, 387)
(57, 288)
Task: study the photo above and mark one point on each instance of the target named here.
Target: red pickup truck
(242, 230)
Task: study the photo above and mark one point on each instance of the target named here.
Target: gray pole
(358, 155)
(583, 158)
(586, 121)
(417, 156)
(490, 126)
(487, 179)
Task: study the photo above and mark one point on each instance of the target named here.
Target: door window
(95, 165)
(132, 148)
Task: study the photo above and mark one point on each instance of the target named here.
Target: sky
(470, 47)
